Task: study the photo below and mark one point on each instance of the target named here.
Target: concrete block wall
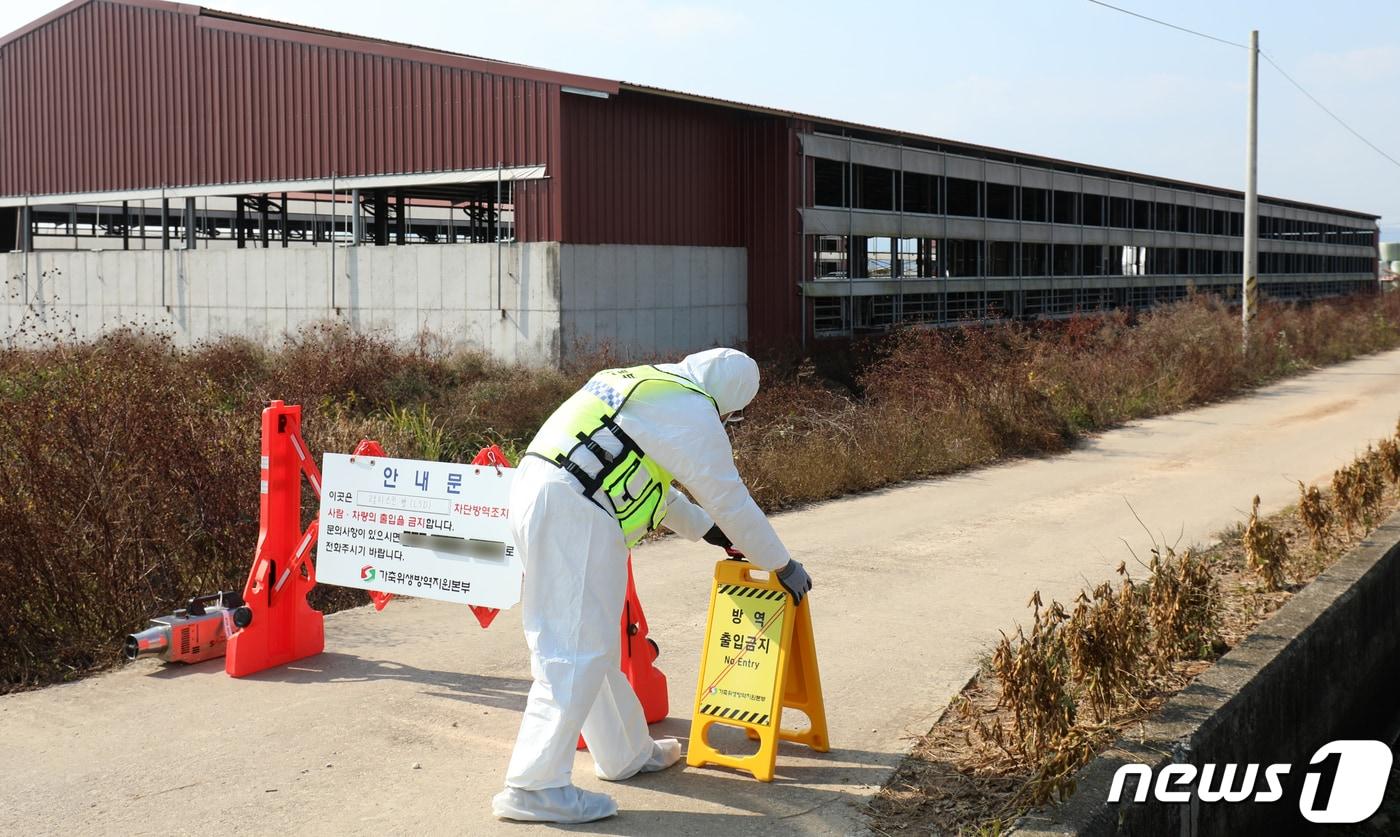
(526, 303)
(652, 299)
(450, 291)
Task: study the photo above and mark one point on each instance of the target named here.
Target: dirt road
(405, 723)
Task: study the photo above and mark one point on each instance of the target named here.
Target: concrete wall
(549, 296)
(448, 290)
(1320, 669)
(642, 299)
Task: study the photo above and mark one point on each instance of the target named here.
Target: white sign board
(438, 530)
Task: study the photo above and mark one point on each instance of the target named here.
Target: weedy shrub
(1348, 496)
(1357, 489)
(1183, 602)
(1034, 671)
(1388, 454)
(1107, 653)
(1055, 772)
(1106, 635)
(1315, 514)
(1117, 647)
(122, 480)
(1373, 474)
(1265, 550)
(129, 480)
(419, 426)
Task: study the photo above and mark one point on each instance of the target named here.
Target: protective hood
(728, 375)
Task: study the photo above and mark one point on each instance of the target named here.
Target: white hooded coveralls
(576, 568)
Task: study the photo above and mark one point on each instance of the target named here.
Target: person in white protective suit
(595, 479)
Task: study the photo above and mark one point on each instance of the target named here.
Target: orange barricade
(277, 624)
(639, 653)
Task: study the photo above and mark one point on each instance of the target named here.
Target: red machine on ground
(275, 625)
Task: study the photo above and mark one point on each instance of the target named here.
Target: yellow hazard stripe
(744, 590)
(729, 713)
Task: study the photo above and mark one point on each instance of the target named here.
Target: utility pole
(1250, 302)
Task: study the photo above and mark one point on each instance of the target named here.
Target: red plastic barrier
(639, 655)
(283, 627)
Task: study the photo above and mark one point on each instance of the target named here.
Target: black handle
(229, 599)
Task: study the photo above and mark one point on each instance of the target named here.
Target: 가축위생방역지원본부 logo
(1344, 783)
(367, 573)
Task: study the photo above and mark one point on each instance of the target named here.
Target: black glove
(795, 580)
(718, 538)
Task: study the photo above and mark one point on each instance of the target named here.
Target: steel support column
(26, 230)
(357, 228)
(190, 222)
(381, 218)
(400, 219)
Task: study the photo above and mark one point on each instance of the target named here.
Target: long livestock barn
(211, 173)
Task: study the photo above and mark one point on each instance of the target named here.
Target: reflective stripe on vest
(633, 486)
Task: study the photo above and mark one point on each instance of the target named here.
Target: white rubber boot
(664, 753)
(568, 804)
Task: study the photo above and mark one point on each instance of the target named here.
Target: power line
(1327, 111)
(1266, 57)
(1169, 25)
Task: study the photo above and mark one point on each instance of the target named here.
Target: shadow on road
(814, 793)
(334, 667)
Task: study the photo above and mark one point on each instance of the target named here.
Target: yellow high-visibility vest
(631, 486)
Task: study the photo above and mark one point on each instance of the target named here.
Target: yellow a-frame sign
(759, 658)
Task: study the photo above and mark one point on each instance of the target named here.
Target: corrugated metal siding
(641, 169)
(650, 169)
(113, 96)
(773, 177)
(117, 96)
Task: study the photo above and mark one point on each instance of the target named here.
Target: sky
(1061, 78)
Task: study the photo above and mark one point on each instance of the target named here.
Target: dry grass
(1107, 633)
(128, 470)
(1052, 698)
(1357, 489)
(925, 402)
(1183, 606)
(1036, 670)
(1314, 514)
(1265, 550)
(1388, 454)
(127, 484)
